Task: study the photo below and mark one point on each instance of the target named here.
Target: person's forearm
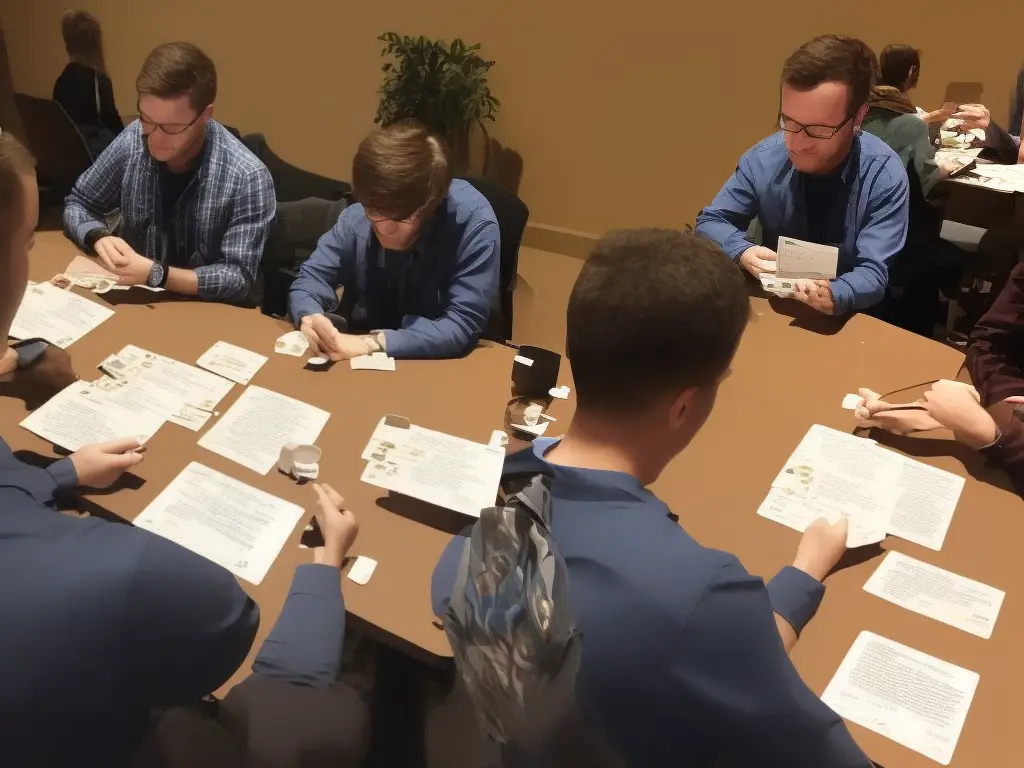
(182, 281)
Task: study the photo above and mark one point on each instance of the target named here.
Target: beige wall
(624, 114)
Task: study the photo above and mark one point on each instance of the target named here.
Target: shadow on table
(854, 557)
(803, 316)
(142, 297)
(442, 519)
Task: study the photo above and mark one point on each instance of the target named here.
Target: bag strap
(96, 91)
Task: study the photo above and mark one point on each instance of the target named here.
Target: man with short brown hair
(819, 179)
(418, 257)
(195, 204)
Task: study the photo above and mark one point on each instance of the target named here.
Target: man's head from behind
(826, 83)
(19, 215)
(900, 67)
(400, 174)
(652, 326)
(177, 86)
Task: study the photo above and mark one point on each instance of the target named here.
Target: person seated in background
(900, 68)
(1000, 146)
(819, 179)
(292, 711)
(84, 88)
(988, 418)
(195, 205)
(417, 257)
(685, 654)
(102, 621)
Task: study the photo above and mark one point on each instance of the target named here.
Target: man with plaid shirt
(195, 205)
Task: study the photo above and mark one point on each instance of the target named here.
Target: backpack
(509, 621)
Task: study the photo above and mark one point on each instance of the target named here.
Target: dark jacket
(88, 98)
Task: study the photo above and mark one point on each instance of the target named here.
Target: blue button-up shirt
(446, 285)
(218, 227)
(682, 660)
(766, 186)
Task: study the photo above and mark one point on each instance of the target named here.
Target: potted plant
(444, 87)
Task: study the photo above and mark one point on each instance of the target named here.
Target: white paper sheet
(362, 569)
(191, 386)
(378, 361)
(82, 414)
(231, 362)
(936, 593)
(908, 696)
(802, 259)
(258, 425)
(61, 317)
(434, 467)
(236, 526)
(926, 500)
(867, 524)
(292, 343)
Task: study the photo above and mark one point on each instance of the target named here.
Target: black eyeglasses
(789, 125)
(171, 129)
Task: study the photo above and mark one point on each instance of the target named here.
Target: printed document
(434, 467)
(259, 424)
(61, 317)
(82, 414)
(378, 361)
(926, 499)
(802, 259)
(193, 388)
(231, 362)
(938, 594)
(908, 696)
(236, 526)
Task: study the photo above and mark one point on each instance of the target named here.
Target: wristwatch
(157, 276)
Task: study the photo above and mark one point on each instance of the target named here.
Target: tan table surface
(789, 373)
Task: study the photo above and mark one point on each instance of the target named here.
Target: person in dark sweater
(84, 89)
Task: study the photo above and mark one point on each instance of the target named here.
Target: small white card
(802, 259)
(231, 362)
(533, 429)
(292, 343)
(562, 392)
(852, 402)
(522, 360)
(378, 361)
(362, 569)
(938, 594)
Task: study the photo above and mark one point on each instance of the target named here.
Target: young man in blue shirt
(684, 652)
(417, 258)
(195, 205)
(819, 179)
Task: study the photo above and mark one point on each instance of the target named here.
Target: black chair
(61, 152)
(290, 182)
(512, 215)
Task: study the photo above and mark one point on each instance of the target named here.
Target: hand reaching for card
(337, 524)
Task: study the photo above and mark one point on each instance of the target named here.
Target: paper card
(802, 259)
(362, 569)
(292, 343)
(852, 402)
(378, 361)
(908, 696)
(936, 593)
(533, 429)
(561, 393)
(231, 362)
(59, 316)
(522, 360)
(498, 439)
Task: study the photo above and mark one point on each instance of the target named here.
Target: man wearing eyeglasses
(819, 179)
(195, 205)
(417, 259)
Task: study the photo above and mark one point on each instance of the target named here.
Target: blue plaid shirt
(221, 221)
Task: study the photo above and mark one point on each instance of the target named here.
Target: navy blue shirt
(682, 661)
(101, 622)
(873, 219)
(432, 301)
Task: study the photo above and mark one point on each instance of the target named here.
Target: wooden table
(789, 373)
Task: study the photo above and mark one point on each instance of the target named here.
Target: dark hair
(652, 311)
(833, 59)
(896, 62)
(401, 169)
(83, 39)
(176, 69)
(15, 162)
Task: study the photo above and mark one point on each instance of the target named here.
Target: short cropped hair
(833, 59)
(896, 62)
(15, 162)
(401, 169)
(83, 38)
(653, 311)
(178, 69)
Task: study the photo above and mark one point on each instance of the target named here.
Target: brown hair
(15, 162)
(83, 39)
(401, 169)
(653, 311)
(896, 62)
(176, 69)
(833, 59)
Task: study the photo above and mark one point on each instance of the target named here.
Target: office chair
(61, 152)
